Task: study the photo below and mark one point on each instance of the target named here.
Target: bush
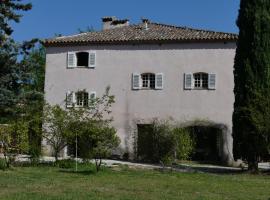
(65, 164)
(3, 164)
(155, 142)
(161, 142)
(185, 144)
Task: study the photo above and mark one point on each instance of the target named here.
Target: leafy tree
(184, 143)
(13, 140)
(91, 125)
(31, 97)
(62, 126)
(56, 128)
(252, 83)
(21, 75)
(96, 140)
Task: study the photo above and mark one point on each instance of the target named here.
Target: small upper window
(82, 59)
(81, 99)
(200, 80)
(148, 81)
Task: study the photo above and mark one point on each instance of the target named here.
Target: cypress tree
(251, 116)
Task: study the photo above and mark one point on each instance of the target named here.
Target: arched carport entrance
(213, 142)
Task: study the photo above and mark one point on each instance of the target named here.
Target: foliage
(185, 144)
(252, 82)
(96, 138)
(65, 164)
(13, 140)
(56, 128)
(90, 125)
(3, 164)
(11, 69)
(8, 9)
(162, 142)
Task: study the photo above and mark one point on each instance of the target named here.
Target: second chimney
(113, 22)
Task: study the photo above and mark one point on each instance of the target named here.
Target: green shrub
(161, 142)
(156, 142)
(185, 144)
(3, 164)
(65, 164)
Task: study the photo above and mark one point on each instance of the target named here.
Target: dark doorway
(207, 143)
(145, 146)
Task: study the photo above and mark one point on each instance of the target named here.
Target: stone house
(155, 71)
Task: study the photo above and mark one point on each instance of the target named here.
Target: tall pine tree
(10, 71)
(251, 129)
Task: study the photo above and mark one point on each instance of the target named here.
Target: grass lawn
(55, 183)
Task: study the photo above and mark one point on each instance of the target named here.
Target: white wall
(115, 65)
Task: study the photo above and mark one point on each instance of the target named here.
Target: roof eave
(115, 42)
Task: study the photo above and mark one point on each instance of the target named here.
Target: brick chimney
(113, 22)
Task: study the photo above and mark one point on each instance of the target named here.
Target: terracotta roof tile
(155, 33)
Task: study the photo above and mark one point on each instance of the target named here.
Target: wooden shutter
(212, 81)
(159, 81)
(188, 82)
(136, 81)
(71, 60)
(92, 59)
(69, 102)
(74, 100)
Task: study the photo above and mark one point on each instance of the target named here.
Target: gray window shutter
(92, 62)
(188, 81)
(212, 82)
(136, 81)
(69, 102)
(159, 81)
(71, 60)
(74, 99)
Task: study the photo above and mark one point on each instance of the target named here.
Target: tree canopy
(252, 83)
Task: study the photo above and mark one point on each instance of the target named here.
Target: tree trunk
(6, 160)
(253, 166)
(98, 163)
(56, 156)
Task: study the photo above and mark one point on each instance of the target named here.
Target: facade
(154, 71)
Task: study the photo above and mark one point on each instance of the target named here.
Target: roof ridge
(137, 33)
(190, 28)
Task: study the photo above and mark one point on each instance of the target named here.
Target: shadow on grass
(81, 171)
(202, 169)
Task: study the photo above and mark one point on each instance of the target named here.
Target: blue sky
(50, 17)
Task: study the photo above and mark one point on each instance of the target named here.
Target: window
(147, 81)
(81, 99)
(200, 80)
(81, 59)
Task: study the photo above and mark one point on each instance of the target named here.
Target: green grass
(123, 184)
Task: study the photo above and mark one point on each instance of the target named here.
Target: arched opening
(208, 143)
